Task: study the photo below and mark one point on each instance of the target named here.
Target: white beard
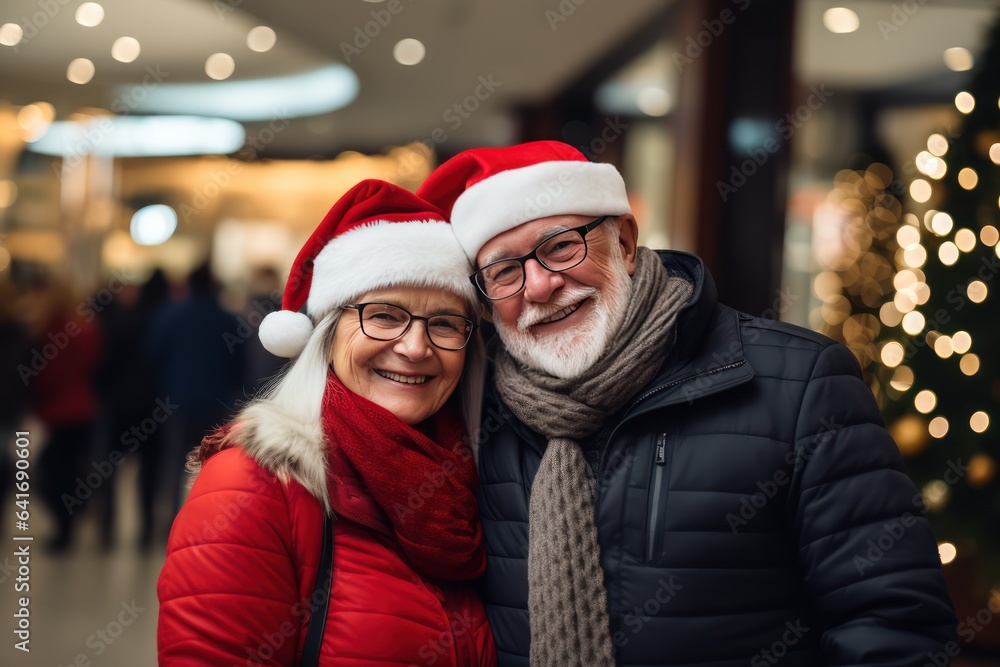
(569, 353)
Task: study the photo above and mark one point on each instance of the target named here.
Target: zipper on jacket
(651, 392)
(659, 460)
(686, 378)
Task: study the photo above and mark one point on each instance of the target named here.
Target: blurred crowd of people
(133, 371)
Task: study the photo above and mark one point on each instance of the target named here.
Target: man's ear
(628, 240)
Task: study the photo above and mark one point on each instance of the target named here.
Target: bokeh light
(979, 422)
(925, 401)
(969, 364)
(938, 428)
(125, 49)
(261, 39)
(965, 102)
(968, 178)
(892, 354)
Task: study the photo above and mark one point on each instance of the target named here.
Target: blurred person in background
(668, 480)
(264, 298)
(128, 394)
(373, 425)
(198, 381)
(14, 355)
(65, 353)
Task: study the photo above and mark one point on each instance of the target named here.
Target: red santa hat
(487, 191)
(376, 236)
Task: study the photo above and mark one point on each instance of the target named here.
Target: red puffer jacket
(241, 565)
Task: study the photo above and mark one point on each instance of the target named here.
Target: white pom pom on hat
(284, 333)
(377, 235)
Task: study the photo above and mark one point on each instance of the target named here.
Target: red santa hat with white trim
(377, 235)
(487, 191)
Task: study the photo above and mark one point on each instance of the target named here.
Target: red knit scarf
(419, 488)
(424, 483)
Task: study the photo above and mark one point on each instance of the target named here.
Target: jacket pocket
(656, 503)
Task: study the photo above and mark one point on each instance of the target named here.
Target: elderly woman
(361, 455)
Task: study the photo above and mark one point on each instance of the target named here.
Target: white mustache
(534, 313)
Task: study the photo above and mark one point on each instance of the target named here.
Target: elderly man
(668, 481)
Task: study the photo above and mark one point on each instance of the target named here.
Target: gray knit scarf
(567, 601)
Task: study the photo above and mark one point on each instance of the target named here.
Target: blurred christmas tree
(938, 375)
(907, 282)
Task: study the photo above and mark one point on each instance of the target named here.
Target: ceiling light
(261, 39)
(89, 14)
(958, 59)
(142, 136)
(409, 51)
(125, 49)
(11, 34)
(312, 93)
(841, 20)
(30, 116)
(80, 71)
(220, 66)
(653, 101)
(152, 225)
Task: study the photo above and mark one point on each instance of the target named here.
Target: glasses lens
(563, 251)
(450, 332)
(501, 279)
(383, 321)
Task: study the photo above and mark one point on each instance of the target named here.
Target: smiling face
(561, 323)
(408, 376)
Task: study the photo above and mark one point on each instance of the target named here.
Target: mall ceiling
(485, 57)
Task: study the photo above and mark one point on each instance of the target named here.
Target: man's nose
(539, 282)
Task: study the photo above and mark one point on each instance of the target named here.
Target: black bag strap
(320, 598)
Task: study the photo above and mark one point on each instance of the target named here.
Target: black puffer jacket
(751, 509)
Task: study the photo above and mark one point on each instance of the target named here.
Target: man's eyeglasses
(386, 321)
(562, 251)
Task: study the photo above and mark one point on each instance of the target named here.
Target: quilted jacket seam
(868, 579)
(849, 528)
(825, 482)
(227, 593)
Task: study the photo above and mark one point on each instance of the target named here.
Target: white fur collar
(285, 445)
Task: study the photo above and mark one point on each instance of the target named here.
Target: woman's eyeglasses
(386, 321)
